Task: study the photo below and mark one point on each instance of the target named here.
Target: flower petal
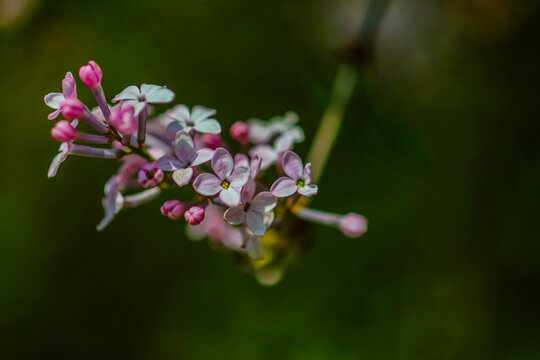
(54, 114)
(207, 126)
(173, 128)
(179, 112)
(255, 222)
(255, 166)
(259, 131)
(169, 163)
(201, 156)
(292, 165)
(207, 184)
(241, 160)
(230, 196)
(222, 163)
(182, 177)
(254, 247)
(69, 86)
(283, 143)
(183, 146)
(130, 93)
(157, 94)
(308, 190)
(263, 202)
(53, 100)
(199, 113)
(234, 215)
(232, 238)
(239, 177)
(267, 154)
(248, 190)
(283, 187)
(306, 175)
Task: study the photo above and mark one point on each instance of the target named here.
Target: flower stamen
(225, 184)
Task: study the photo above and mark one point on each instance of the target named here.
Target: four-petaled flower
(186, 158)
(198, 119)
(251, 209)
(271, 154)
(55, 100)
(147, 94)
(298, 178)
(227, 183)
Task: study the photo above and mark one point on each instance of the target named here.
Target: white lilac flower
(251, 209)
(227, 183)
(54, 100)
(186, 158)
(298, 178)
(147, 94)
(261, 132)
(200, 119)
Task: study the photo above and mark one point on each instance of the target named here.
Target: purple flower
(251, 209)
(55, 100)
(147, 94)
(150, 175)
(298, 178)
(198, 119)
(227, 183)
(91, 74)
(186, 158)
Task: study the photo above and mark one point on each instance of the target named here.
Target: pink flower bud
(91, 74)
(240, 131)
(194, 215)
(353, 225)
(212, 141)
(63, 131)
(173, 209)
(72, 108)
(123, 119)
(150, 175)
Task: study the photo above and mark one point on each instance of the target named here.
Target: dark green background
(439, 150)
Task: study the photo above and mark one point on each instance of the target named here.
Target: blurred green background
(439, 150)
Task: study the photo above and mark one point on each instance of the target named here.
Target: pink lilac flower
(214, 227)
(91, 74)
(251, 209)
(194, 215)
(147, 94)
(186, 158)
(240, 131)
(55, 100)
(227, 183)
(123, 118)
(150, 175)
(72, 108)
(198, 119)
(298, 178)
(353, 225)
(173, 209)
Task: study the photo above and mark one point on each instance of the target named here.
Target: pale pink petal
(183, 146)
(222, 163)
(234, 215)
(241, 160)
(292, 165)
(283, 143)
(207, 126)
(308, 190)
(283, 187)
(268, 218)
(255, 166)
(263, 202)
(254, 247)
(239, 177)
(248, 190)
(169, 163)
(201, 156)
(199, 113)
(157, 94)
(255, 222)
(182, 177)
(306, 175)
(69, 86)
(54, 114)
(267, 154)
(232, 238)
(207, 184)
(230, 196)
(53, 100)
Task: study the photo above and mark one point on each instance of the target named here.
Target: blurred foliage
(439, 149)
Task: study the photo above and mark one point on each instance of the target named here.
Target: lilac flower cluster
(233, 203)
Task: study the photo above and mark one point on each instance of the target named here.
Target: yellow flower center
(225, 184)
(300, 183)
